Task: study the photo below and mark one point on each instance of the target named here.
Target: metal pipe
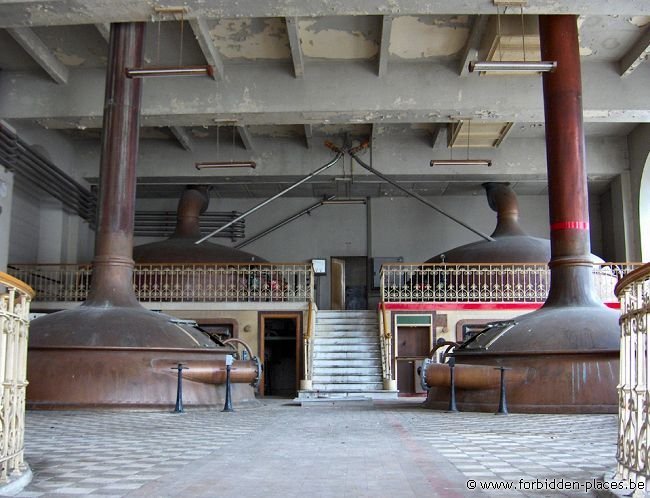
(113, 261)
(571, 266)
(372, 170)
(284, 222)
(338, 157)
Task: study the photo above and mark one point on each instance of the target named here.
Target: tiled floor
(390, 449)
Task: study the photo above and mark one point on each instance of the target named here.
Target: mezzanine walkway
(392, 449)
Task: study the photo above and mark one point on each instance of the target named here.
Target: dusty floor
(395, 449)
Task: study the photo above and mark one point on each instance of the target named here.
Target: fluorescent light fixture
(461, 162)
(513, 66)
(225, 164)
(147, 72)
(344, 201)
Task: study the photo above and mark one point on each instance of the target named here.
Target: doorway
(280, 348)
(349, 286)
(413, 345)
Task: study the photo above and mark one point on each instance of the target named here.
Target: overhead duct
(32, 169)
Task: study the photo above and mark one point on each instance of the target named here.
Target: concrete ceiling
(307, 70)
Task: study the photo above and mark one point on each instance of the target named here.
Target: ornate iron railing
(206, 282)
(15, 297)
(633, 447)
(485, 282)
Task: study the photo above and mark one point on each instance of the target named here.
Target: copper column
(565, 155)
(113, 263)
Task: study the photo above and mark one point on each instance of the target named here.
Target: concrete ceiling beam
(246, 137)
(384, 46)
(65, 12)
(638, 53)
(309, 136)
(470, 52)
(294, 44)
(104, 30)
(210, 52)
(278, 98)
(182, 136)
(38, 51)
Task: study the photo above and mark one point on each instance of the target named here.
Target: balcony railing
(157, 283)
(15, 297)
(634, 387)
(485, 282)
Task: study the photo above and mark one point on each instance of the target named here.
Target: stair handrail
(308, 349)
(385, 342)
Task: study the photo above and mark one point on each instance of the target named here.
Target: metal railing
(485, 282)
(15, 297)
(633, 457)
(205, 282)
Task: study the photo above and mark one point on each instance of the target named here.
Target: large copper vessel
(110, 351)
(565, 355)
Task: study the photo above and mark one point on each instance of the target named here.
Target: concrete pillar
(6, 197)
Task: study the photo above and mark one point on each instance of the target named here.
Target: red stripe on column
(566, 225)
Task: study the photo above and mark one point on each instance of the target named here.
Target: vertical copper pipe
(571, 266)
(113, 262)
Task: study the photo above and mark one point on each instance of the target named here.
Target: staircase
(347, 357)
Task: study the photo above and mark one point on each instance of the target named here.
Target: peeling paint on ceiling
(428, 36)
(322, 42)
(251, 38)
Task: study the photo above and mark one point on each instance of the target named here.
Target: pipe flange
(258, 375)
(423, 373)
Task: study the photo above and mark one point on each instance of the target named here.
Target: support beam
(104, 30)
(246, 138)
(202, 34)
(33, 45)
(67, 12)
(294, 43)
(309, 136)
(435, 133)
(196, 101)
(470, 52)
(638, 53)
(386, 28)
(182, 136)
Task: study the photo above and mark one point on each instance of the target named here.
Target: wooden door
(337, 284)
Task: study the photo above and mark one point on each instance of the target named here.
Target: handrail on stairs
(385, 342)
(308, 347)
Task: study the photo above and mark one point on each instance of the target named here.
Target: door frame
(297, 318)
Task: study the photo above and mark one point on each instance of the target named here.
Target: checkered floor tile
(390, 449)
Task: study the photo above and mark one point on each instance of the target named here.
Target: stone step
(342, 379)
(347, 327)
(342, 394)
(348, 363)
(346, 323)
(346, 313)
(346, 348)
(350, 386)
(345, 355)
(374, 334)
(346, 372)
(331, 341)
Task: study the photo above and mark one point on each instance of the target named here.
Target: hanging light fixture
(519, 67)
(165, 71)
(461, 162)
(344, 201)
(225, 164)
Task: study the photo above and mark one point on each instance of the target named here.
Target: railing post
(632, 456)
(14, 328)
(390, 384)
(306, 383)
